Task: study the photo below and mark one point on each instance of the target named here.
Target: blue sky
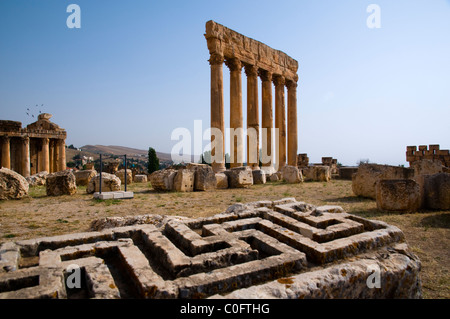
(136, 70)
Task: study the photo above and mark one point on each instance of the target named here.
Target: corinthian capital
(265, 75)
(216, 59)
(251, 70)
(234, 64)
(278, 80)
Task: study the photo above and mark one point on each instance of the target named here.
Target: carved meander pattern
(190, 259)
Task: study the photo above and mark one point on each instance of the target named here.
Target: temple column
(25, 156)
(236, 118)
(217, 114)
(6, 152)
(252, 117)
(51, 156)
(280, 119)
(292, 122)
(267, 120)
(45, 155)
(61, 146)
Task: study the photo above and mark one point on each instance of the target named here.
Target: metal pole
(125, 172)
(101, 168)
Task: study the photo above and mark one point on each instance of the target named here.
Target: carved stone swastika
(246, 247)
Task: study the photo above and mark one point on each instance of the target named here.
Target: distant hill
(121, 150)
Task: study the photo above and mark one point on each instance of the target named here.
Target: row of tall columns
(55, 155)
(286, 133)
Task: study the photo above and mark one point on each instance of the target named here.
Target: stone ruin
(430, 153)
(259, 60)
(38, 147)
(279, 249)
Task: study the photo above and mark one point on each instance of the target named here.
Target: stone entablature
(231, 44)
(38, 147)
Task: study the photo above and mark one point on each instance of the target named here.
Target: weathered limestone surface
(259, 176)
(265, 249)
(110, 183)
(121, 174)
(427, 167)
(84, 177)
(139, 178)
(37, 179)
(162, 180)
(291, 174)
(61, 183)
(398, 195)
(204, 177)
(436, 191)
(184, 181)
(240, 177)
(347, 172)
(317, 173)
(12, 185)
(221, 181)
(365, 179)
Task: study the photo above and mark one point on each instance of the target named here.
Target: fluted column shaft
(217, 114)
(280, 119)
(6, 152)
(252, 117)
(61, 145)
(266, 118)
(236, 118)
(45, 155)
(25, 156)
(292, 123)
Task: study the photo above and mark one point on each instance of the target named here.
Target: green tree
(153, 161)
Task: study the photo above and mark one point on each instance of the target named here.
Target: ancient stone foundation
(279, 249)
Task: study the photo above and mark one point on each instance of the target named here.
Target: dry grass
(427, 233)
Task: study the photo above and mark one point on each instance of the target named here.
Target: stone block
(61, 183)
(162, 180)
(398, 195)
(37, 179)
(140, 178)
(12, 185)
(121, 174)
(266, 249)
(346, 173)
(291, 174)
(436, 191)
(240, 177)
(84, 177)
(204, 177)
(259, 176)
(221, 181)
(110, 183)
(317, 173)
(365, 179)
(184, 181)
(427, 167)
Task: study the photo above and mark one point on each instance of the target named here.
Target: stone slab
(267, 249)
(114, 195)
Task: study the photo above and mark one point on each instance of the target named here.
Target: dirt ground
(427, 233)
